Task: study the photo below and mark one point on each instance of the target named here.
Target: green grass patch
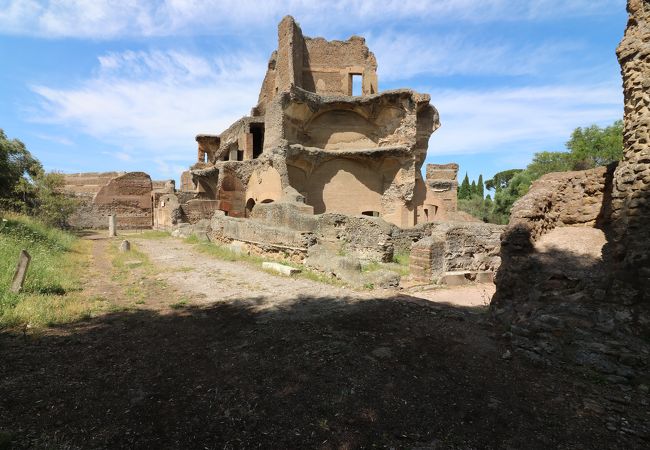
(182, 303)
(402, 258)
(52, 291)
(125, 264)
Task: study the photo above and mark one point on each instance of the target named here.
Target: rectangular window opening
(356, 82)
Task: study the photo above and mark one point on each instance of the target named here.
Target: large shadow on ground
(321, 373)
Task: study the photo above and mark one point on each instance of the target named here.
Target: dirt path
(258, 361)
(208, 280)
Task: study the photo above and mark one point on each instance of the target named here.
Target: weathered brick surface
(127, 196)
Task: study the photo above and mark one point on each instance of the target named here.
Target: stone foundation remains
(457, 253)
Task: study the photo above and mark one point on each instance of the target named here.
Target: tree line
(26, 188)
(587, 148)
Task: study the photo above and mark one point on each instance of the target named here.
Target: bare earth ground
(223, 355)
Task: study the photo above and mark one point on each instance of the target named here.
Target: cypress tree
(480, 186)
(465, 190)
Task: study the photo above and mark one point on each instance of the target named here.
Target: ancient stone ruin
(317, 173)
(326, 177)
(345, 154)
(575, 276)
(129, 196)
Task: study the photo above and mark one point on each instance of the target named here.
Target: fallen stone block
(455, 278)
(485, 277)
(280, 268)
(238, 248)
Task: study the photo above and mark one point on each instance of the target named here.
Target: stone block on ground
(485, 277)
(238, 248)
(21, 272)
(455, 278)
(125, 246)
(280, 268)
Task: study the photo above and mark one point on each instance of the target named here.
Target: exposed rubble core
(358, 154)
(575, 277)
(463, 251)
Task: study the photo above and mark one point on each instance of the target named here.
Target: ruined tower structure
(355, 153)
(575, 273)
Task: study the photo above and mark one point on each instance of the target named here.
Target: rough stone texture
(127, 196)
(454, 247)
(344, 154)
(290, 227)
(575, 276)
(366, 238)
(630, 234)
(564, 199)
(442, 183)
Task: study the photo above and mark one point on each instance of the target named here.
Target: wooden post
(21, 272)
(112, 225)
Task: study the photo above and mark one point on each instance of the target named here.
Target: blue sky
(98, 85)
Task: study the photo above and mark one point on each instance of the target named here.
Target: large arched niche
(264, 185)
(341, 130)
(297, 178)
(344, 186)
(231, 196)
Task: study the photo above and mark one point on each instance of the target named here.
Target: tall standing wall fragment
(629, 245)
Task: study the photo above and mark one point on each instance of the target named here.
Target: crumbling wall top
(316, 65)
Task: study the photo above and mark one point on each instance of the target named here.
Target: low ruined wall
(367, 238)
(471, 247)
(404, 238)
(270, 237)
(198, 209)
(555, 202)
(280, 224)
(564, 199)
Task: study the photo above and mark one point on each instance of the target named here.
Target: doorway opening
(257, 130)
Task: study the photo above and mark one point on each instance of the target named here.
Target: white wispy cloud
(520, 119)
(105, 19)
(404, 55)
(55, 138)
(153, 103)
